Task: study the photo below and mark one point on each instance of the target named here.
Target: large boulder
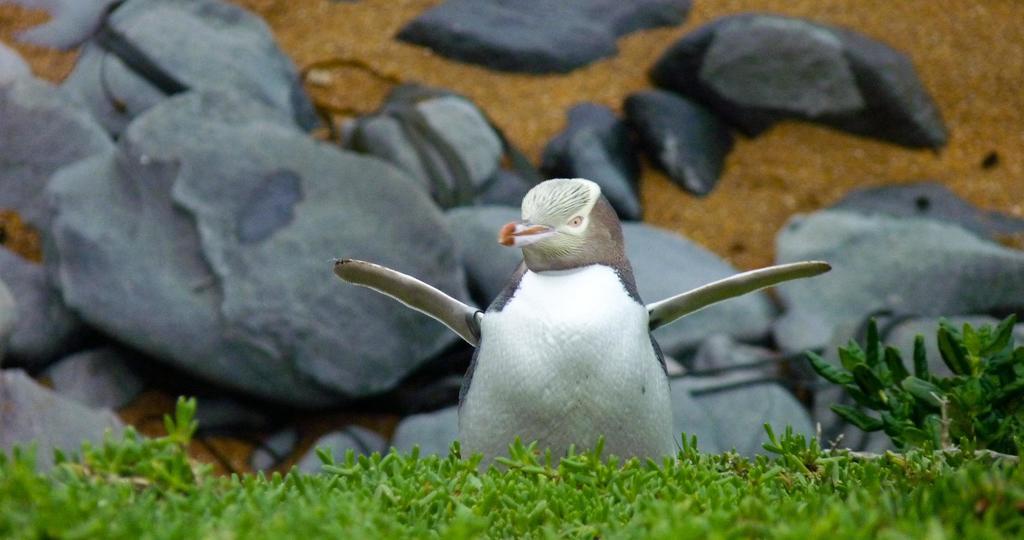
(32, 414)
(536, 36)
(45, 327)
(596, 145)
(206, 240)
(906, 266)
(758, 69)
(43, 130)
(930, 200)
(664, 264)
(200, 44)
(680, 137)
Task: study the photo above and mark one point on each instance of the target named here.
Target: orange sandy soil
(969, 55)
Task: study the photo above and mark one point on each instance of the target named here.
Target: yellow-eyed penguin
(565, 353)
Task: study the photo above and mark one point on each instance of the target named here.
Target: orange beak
(519, 234)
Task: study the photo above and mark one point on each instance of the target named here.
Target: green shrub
(981, 406)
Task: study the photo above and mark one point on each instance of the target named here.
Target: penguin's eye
(576, 221)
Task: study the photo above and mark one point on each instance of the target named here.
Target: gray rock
(433, 432)
(461, 126)
(12, 65)
(231, 280)
(8, 317)
(31, 413)
(274, 450)
(758, 69)
(43, 130)
(505, 188)
(71, 22)
(203, 44)
(488, 265)
(99, 378)
(595, 145)
(908, 266)
(45, 327)
(732, 411)
(441, 139)
(930, 200)
(680, 137)
(720, 352)
(536, 36)
(664, 264)
(360, 440)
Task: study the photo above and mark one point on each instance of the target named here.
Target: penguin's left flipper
(464, 320)
(668, 310)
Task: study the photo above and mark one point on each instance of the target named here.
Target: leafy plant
(981, 406)
(135, 460)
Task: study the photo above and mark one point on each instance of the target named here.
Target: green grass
(149, 488)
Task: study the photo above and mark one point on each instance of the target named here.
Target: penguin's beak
(522, 233)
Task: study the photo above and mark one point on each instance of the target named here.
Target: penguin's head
(566, 223)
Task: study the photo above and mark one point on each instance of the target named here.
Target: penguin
(565, 355)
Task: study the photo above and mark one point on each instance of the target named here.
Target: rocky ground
(968, 58)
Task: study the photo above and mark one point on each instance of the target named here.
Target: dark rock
(8, 317)
(536, 36)
(728, 412)
(12, 65)
(664, 264)
(29, 413)
(99, 378)
(231, 280)
(360, 440)
(908, 266)
(681, 137)
(757, 69)
(930, 200)
(274, 450)
(595, 145)
(203, 44)
(45, 327)
(433, 432)
(225, 414)
(43, 130)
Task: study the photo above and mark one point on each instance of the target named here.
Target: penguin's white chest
(567, 359)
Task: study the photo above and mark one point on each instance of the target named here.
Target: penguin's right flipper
(464, 320)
